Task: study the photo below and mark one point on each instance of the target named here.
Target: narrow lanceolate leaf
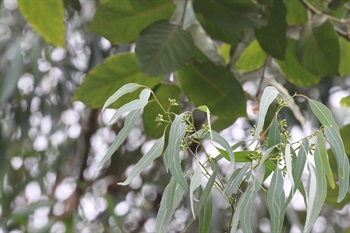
(288, 158)
(129, 123)
(270, 93)
(322, 150)
(46, 18)
(103, 80)
(274, 134)
(223, 94)
(246, 209)
(163, 48)
(318, 47)
(146, 160)
(205, 216)
(272, 37)
(275, 201)
(195, 183)
(205, 109)
(127, 88)
(235, 217)
(332, 134)
(171, 198)
(135, 104)
(252, 58)
(113, 19)
(236, 179)
(208, 188)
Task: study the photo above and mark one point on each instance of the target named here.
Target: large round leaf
(252, 58)
(163, 48)
(215, 87)
(318, 47)
(122, 21)
(105, 79)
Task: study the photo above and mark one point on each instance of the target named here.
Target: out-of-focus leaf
(195, 183)
(332, 134)
(216, 87)
(145, 161)
(272, 38)
(152, 109)
(252, 58)
(275, 201)
(345, 102)
(172, 196)
(163, 48)
(129, 123)
(236, 179)
(73, 3)
(296, 12)
(318, 47)
(205, 216)
(344, 67)
(102, 81)
(270, 93)
(293, 70)
(46, 18)
(205, 44)
(225, 51)
(122, 21)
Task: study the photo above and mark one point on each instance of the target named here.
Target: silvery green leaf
(288, 158)
(205, 216)
(145, 161)
(246, 209)
(195, 183)
(236, 179)
(129, 123)
(127, 88)
(325, 161)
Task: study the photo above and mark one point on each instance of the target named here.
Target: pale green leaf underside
(195, 183)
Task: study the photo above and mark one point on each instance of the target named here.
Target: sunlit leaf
(318, 47)
(105, 79)
(129, 124)
(163, 48)
(146, 160)
(223, 94)
(332, 134)
(252, 58)
(345, 102)
(195, 183)
(122, 22)
(46, 18)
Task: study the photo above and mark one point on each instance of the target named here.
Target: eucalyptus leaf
(322, 152)
(288, 159)
(195, 183)
(236, 179)
(205, 216)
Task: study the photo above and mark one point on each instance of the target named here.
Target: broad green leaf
(252, 58)
(163, 48)
(272, 38)
(129, 124)
(345, 102)
(236, 180)
(322, 152)
(293, 70)
(122, 21)
(145, 161)
(205, 216)
(223, 94)
(171, 198)
(288, 159)
(46, 18)
(102, 81)
(206, 45)
(135, 104)
(269, 95)
(344, 67)
(195, 183)
(231, 15)
(224, 154)
(332, 134)
(127, 88)
(150, 113)
(318, 47)
(296, 12)
(274, 134)
(275, 201)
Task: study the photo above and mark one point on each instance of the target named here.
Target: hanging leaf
(205, 216)
(288, 159)
(252, 58)
(236, 179)
(332, 134)
(129, 124)
(37, 14)
(272, 38)
(318, 47)
(293, 70)
(145, 161)
(296, 12)
(223, 94)
(102, 81)
(344, 67)
(274, 134)
(163, 48)
(246, 209)
(322, 152)
(195, 183)
(121, 23)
